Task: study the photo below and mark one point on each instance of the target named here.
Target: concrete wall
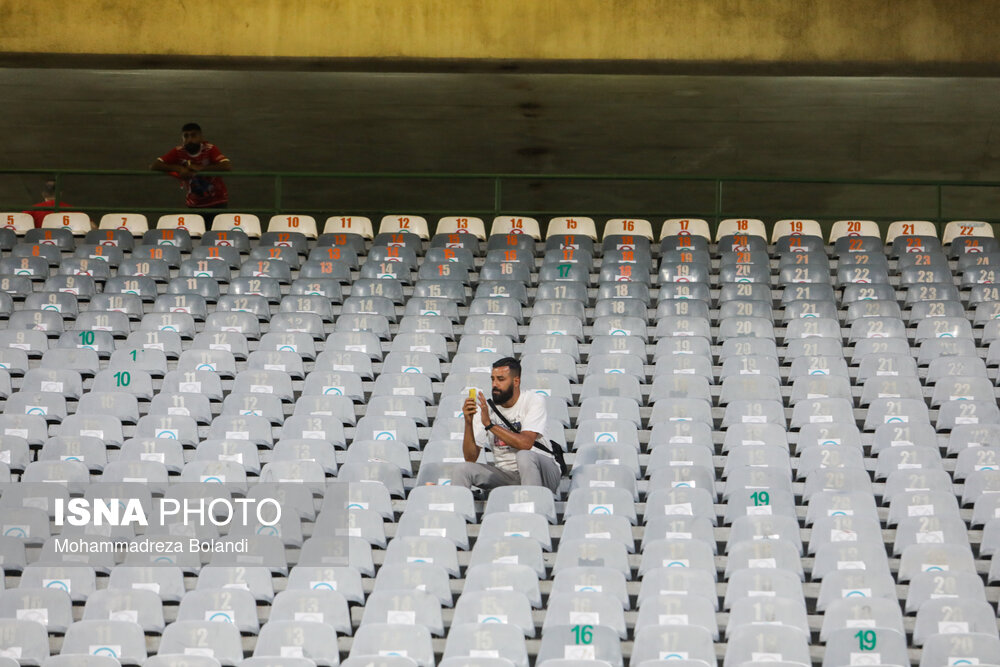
(743, 31)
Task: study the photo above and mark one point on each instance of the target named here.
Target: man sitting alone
(517, 461)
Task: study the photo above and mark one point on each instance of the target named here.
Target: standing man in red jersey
(188, 160)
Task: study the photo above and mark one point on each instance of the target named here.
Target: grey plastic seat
(288, 643)
(677, 553)
(769, 611)
(90, 451)
(852, 613)
(671, 643)
(530, 499)
(122, 640)
(498, 642)
(922, 558)
(852, 646)
(436, 550)
(953, 616)
(895, 411)
(140, 606)
(27, 640)
(894, 459)
(942, 584)
(592, 552)
(488, 607)
(591, 579)
(504, 576)
(166, 582)
(763, 582)
(413, 607)
(765, 553)
(218, 640)
(50, 607)
(417, 523)
(561, 289)
(410, 641)
(596, 609)
(414, 576)
(962, 648)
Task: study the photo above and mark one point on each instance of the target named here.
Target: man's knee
(526, 458)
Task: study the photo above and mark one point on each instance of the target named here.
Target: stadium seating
(781, 453)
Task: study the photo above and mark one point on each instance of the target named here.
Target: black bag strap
(506, 422)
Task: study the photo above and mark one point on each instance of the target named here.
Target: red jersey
(202, 191)
(43, 208)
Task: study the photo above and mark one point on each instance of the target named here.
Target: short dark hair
(191, 127)
(509, 362)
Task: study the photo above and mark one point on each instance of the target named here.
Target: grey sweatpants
(533, 469)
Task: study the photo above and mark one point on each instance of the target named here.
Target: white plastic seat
(684, 227)
(349, 224)
(504, 225)
(293, 223)
(77, 223)
(18, 223)
(784, 228)
(909, 228)
(406, 224)
(855, 228)
(248, 223)
(731, 226)
(461, 225)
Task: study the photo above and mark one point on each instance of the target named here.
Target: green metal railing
(495, 197)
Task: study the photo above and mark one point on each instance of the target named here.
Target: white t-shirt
(529, 413)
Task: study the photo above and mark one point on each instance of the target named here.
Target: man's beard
(501, 397)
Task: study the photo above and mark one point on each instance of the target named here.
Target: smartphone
(472, 394)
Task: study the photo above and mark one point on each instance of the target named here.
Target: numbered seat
(50, 607)
(778, 611)
(348, 225)
(938, 583)
(138, 606)
(507, 607)
(509, 550)
(409, 224)
(953, 616)
(219, 640)
(503, 642)
(852, 613)
(87, 450)
(850, 645)
(582, 609)
(654, 643)
(780, 644)
(384, 639)
(26, 639)
(925, 558)
(592, 552)
(959, 648)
